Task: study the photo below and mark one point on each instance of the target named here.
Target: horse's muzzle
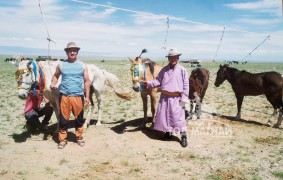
(23, 97)
(136, 88)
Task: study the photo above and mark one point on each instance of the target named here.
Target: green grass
(63, 161)
(269, 140)
(50, 170)
(278, 174)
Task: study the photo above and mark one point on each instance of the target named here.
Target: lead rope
(165, 41)
(167, 29)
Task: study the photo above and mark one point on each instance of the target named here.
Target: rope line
(48, 38)
(249, 54)
(48, 34)
(172, 18)
(167, 29)
(219, 45)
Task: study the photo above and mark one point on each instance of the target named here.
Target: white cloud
(259, 21)
(262, 6)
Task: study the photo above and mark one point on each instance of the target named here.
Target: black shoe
(184, 142)
(167, 136)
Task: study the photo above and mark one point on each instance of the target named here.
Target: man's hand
(144, 84)
(86, 101)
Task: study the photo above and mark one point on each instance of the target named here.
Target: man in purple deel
(173, 82)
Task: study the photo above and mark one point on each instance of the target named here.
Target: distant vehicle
(30, 59)
(193, 62)
(43, 58)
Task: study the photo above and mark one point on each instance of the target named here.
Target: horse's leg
(198, 107)
(144, 102)
(191, 110)
(99, 106)
(153, 106)
(276, 102)
(240, 99)
(269, 122)
(279, 119)
(90, 108)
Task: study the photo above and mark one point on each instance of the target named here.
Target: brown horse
(247, 84)
(198, 83)
(143, 69)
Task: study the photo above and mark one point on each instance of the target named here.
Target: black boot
(167, 136)
(184, 142)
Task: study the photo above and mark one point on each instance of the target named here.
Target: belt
(176, 94)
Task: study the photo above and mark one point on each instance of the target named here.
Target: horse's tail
(112, 81)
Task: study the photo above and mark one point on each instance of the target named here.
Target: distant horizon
(90, 56)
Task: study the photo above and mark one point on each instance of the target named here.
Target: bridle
(33, 83)
(137, 69)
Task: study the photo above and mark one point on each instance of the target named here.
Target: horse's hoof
(276, 126)
(98, 124)
(268, 124)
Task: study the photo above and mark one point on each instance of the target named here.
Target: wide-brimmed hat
(174, 52)
(72, 45)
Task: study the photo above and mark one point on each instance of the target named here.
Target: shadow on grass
(135, 125)
(22, 137)
(232, 118)
(94, 121)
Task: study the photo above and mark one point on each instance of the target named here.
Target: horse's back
(265, 80)
(252, 84)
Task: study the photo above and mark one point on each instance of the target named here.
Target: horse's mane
(151, 65)
(239, 73)
(201, 74)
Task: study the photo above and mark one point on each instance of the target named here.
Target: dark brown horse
(198, 83)
(145, 70)
(248, 84)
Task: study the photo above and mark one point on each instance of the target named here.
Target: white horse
(30, 73)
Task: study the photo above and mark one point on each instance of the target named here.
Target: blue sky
(195, 28)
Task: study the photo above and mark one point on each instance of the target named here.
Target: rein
(35, 82)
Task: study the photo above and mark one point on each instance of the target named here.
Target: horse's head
(137, 72)
(25, 77)
(221, 75)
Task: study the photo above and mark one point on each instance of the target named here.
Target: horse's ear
(29, 63)
(131, 59)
